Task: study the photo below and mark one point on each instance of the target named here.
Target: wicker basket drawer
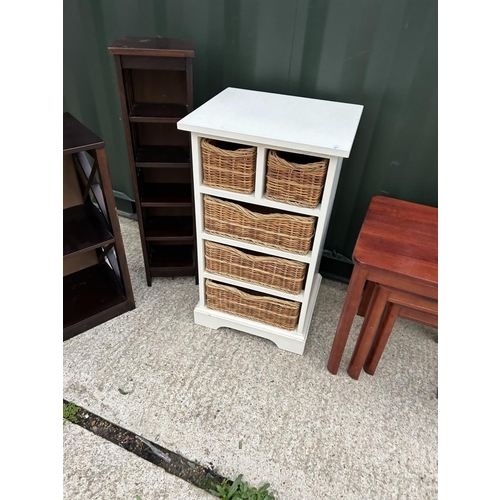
(295, 179)
(290, 233)
(228, 166)
(272, 272)
(263, 308)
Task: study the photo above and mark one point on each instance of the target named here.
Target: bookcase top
(161, 47)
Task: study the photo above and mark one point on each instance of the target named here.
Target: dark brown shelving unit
(96, 280)
(156, 90)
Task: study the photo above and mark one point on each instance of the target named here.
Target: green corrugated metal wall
(378, 53)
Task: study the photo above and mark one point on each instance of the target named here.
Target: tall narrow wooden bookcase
(156, 91)
(96, 280)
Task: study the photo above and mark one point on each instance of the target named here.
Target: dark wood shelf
(77, 137)
(88, 295)
(84, 228)
(173, 229)
(162, 156)
(96, 285)
(155, 82)
(157, 112)
(166, 195)
(172, 260)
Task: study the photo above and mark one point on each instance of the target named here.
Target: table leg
(368, 331)
(351, 303)
(381, 339)
(367, 297)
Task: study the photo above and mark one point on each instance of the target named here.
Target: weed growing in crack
(70, 411)
(239, 490)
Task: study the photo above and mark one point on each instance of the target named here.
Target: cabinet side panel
(198, 208)
(329, 191)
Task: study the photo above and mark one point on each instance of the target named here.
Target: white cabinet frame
(285, 123)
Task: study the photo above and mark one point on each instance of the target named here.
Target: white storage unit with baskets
(265, 169)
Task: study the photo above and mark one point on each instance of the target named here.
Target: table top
(77, 137)
(311, 125)
(400, 238)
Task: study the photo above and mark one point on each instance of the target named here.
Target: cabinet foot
(291, 341)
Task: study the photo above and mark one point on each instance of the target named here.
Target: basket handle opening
(297, 157)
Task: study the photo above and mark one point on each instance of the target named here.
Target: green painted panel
(379, 53)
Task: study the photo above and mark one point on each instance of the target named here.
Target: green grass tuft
(239, 490)
(70, 411)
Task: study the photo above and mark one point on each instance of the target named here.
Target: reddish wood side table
(396, 247)
(386, 305)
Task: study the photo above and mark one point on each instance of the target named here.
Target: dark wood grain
(84, 228)
(157, 112)
(93, 292)
(152, 62)
(166, 195)
(157, 85)
(166, 259)
(150, 46)
(156, 90)
(77, 137)
(174, 229)
(88, 295)
(162, 156)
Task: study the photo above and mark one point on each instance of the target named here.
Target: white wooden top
(310, 125)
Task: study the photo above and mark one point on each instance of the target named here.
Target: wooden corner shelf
(96, 280)
(156, 91)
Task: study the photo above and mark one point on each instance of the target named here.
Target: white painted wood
(292, 341)
(291, 148)
(315, 212)
(327, 210)
(286, 123)
(260, 173)
(313, 125)
(198, 211)
(307, 311)
(263, 201)
(288, 341)
(319, 237)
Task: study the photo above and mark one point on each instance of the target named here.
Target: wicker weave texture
(265, 309)
(272, 272)
(289, 233)
(232, 170)
(295, 183)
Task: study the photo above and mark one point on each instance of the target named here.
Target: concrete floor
(200, 392)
